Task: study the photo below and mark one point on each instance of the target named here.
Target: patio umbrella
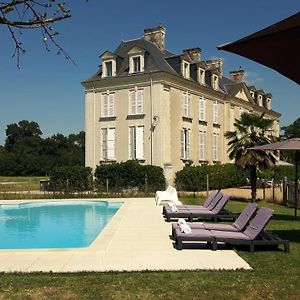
(277, 47)
(290, 144)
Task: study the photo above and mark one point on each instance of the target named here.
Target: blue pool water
(67, 224)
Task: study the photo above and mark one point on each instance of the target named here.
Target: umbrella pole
(296, 181)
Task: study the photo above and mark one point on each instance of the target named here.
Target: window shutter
(104, 112)
(188, 148)
(202, 109)
(132, 104)
(104, 143)
(186, 105)
(182, 143)
(111, 105)
(202, 145)
(111, 143)
(215, 113)
(215, 147)
(139, 101)
(131, 143)
(140, 142)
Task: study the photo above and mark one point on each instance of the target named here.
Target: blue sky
(46, 89)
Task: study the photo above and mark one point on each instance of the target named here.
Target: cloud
(252, 78)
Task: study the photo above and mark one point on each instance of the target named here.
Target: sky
(47, 88)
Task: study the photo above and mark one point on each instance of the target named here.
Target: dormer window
(185, 67)
(201, 76)
(136, 61)
(215, 82)
(109, 68)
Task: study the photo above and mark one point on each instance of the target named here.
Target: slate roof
(166, 61)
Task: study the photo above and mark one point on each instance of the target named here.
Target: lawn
(275, 275)
(19, 183)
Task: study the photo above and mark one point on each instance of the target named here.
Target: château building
(160, 108)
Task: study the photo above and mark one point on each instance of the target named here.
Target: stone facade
(163, 109)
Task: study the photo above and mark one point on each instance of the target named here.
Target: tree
(292, 130)
(21, 15)
(24, 129)
(251, 130)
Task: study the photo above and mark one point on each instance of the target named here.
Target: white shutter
(139, 142)
(111, 105)
(104, 144)
(132, 104)
(139, 101)
(185, 105)
(215, 147)
(131, 143)
(182, 146)
(215, 113)
(202, 146)
(111, 143)
(188, 146)
(104, 108)
(202, 109)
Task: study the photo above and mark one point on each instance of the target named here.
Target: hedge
(129, 175)
(194, 178)
(71, 179)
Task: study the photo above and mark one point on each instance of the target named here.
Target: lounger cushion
(226, 235)
(195, 235)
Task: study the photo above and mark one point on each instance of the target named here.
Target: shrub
(71, 179)
(194, 178)
(129, 175)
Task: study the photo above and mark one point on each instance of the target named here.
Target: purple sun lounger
(250, 236)
(240, 223)
(209, 204)
(192, 214)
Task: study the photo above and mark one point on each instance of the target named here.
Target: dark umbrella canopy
(291, 144)
(277, 47)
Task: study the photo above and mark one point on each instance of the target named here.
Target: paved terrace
(136, 239)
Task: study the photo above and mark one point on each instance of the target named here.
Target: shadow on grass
(291, 235)
(283, 217)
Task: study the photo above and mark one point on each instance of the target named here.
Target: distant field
(19, 183)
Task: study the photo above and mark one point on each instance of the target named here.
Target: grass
(275, 275)
(19, 183)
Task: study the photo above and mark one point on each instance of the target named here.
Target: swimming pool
(59, 224)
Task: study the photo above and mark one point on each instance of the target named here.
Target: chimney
(238, 75)
(156, 35)
(194, 53)
(217, 63)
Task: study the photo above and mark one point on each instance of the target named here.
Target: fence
(289, 193)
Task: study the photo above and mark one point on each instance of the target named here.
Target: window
(108, 144)
(186, 105)
(136, 102)
(216, 144)
(201, 76)
(215, 113)
(108, 105)
(136, 142)
(215, 82)
(109, 68)
(202, 104)
(136, 64)
(185, 143)
(202, 145)
(185, 69)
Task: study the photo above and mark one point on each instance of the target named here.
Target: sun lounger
(192, 214)
(170, 194)
(250, 236)
(239, 225)
(209, 203)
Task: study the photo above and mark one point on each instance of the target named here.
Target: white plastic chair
(170, 194)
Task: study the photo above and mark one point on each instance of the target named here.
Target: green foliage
(194, 178)
(71, 179)
(292, 130)
(26, 153)
(128, 175)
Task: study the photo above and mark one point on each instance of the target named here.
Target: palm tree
(251, 130)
